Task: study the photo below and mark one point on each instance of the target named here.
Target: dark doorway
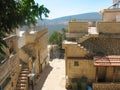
(101, 74)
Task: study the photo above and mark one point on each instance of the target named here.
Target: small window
(76, 63)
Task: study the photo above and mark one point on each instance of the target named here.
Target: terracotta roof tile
(112, 60)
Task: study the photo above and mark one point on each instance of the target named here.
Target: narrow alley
(53, 77)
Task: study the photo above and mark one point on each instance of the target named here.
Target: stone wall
(10, 69)
(111, 14)
(29, 38)
(4, 71)
(78, 27)
(109, 74)
(108, 27)
(23, 55)
(15, 69)
(85, 68)
(73, 50)
(106, 86)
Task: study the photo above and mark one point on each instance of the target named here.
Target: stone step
(22, 78)
(21, 85)
(22, 81)
(23, 75)
(25, 69)
(21, 88)
(24, 72)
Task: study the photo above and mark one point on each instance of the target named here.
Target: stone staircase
(82, 47)
(85, 37)
(22, 83)
(82, 39)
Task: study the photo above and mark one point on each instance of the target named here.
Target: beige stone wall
(73, 50)
(30, 64)
(77, 27)
(15, 69)
(15, 44)
(109, 74)
(29, 38)
(106, 86)
(23, 56)
(36, 41)
(4, 71)
(21, 41)
(12, 70)
(110, 14)
(43, 39)
(41, 51)
(12, 42)
(43, 55)
(41, 33)
(108, 27)
(37, 69)
(85, 68)
(117, 74)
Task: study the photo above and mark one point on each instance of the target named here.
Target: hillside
(59, 23)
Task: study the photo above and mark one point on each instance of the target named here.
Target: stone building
(9, 64)
(26, 57)
(92, 54)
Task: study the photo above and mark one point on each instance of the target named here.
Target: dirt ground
(53, 77)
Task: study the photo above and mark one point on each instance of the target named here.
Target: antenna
(115, 4)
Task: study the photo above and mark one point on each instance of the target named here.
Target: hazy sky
(59, 8)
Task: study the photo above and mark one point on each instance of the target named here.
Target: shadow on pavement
(42, 78)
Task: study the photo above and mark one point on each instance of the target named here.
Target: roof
(112, 60)
(69, 42)
(106, 46)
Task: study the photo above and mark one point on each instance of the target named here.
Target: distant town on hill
(59, 23)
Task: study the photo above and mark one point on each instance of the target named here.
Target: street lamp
(31, 76)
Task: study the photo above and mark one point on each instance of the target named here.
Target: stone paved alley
(53, 77)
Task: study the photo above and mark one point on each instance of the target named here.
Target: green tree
(56, 38)
(64, 31)
(15, 13)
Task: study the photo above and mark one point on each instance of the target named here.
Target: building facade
(26, 57)
(92, 55)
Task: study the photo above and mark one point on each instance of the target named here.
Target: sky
(60, 8)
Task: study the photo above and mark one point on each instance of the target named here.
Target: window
(76, 63)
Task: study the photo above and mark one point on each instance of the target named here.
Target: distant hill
(59, 23)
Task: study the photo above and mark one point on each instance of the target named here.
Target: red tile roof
(112, 60)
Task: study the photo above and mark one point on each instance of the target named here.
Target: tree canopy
(56, 38)
(15, 13)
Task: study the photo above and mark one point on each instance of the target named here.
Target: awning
(107, 60)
